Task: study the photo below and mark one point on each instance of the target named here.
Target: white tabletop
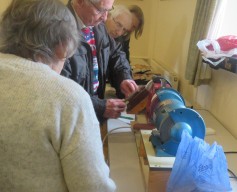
(124, 161)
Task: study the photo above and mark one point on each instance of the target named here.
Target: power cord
(230, 152)
(233, 175)
(112, 130)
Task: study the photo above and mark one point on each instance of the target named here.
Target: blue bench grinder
(171, 118)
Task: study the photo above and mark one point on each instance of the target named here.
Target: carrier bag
(199, 167)
(218, 49)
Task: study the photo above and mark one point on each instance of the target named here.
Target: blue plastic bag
(199, 167)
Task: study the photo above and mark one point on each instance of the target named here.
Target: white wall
(170, 46)
(64, 1)
(140, 48)
(4, 4)
(220, 97)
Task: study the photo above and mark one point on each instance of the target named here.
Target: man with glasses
(119, 21)
(97, 55)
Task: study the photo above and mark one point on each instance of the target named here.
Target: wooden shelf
(228, 64)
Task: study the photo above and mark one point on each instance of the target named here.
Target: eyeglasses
(100, 11)
(120, 26)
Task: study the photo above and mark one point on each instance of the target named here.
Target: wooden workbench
(159, 168)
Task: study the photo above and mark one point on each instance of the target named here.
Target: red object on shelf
(226, 43)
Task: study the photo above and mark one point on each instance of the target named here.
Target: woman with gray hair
(49, 134)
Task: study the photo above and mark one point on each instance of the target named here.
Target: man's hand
(114, 107)
(128, 87)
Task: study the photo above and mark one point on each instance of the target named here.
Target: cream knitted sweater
(49, 135)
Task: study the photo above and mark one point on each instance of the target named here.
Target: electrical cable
(233, 175)
(229, 152)
(112, 130)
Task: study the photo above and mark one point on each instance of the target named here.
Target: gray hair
(33, 29)
(93, 1)
(118, 10)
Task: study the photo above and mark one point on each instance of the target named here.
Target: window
(225, 20)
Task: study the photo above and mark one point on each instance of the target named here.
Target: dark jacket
(110, 60)
(125, 41)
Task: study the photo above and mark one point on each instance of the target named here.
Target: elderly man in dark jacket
(109, 59)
